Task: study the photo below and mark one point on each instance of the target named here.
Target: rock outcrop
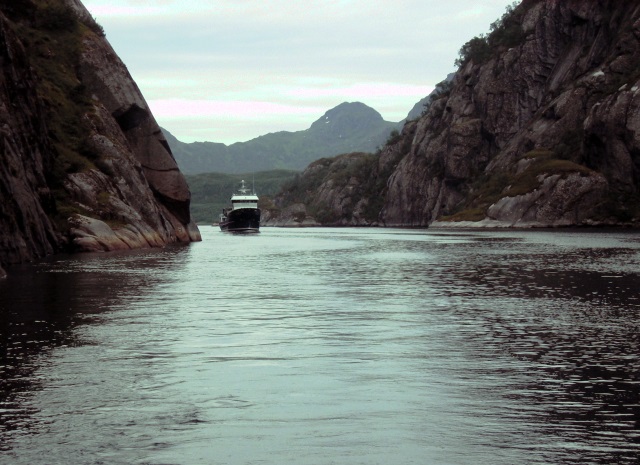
(539, 127)
(543, 133)
(84, 165)
(26, 200)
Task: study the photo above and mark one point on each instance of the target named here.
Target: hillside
(539, 127)
(346, 128)
(84, 165)
(210, 192)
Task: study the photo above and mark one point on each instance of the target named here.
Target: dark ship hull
(241, 220)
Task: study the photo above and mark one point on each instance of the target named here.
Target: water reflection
(329, 345)
(554, 325)
(41, 305)
(572, 340)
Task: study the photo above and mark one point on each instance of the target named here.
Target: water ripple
(320, 346)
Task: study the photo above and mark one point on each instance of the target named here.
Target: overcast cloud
(231, 70)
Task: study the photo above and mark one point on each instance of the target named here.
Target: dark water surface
(328, 346)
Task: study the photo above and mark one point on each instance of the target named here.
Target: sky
(232, 70)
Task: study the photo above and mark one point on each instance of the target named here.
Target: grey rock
(130, 194)
(544, 132)
(570, 87)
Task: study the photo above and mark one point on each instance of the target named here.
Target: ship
(244, 214)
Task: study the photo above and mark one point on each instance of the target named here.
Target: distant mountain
(538, 128)
(349, 127)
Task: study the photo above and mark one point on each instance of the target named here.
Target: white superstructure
(244, 199)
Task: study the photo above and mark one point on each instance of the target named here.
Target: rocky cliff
(539, 127)
(83, 164)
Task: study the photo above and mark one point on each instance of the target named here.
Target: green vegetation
(469, 214)
(300, 188)
(56, 17)
(349, 127)
(443, 89)
(488, 189)
(394, 137)
(65, 209)
(484, 191)
(304, 188)
(52, 35)
(477, 49)
(352, 177)
(55, 45)
(210, 192)
(505, 32)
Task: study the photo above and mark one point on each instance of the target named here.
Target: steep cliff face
(84, 165)
(539, 127)
(544, 132)
(26, 155)
(348, 190)
(341, 194)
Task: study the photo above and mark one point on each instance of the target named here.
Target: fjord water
(328, 346)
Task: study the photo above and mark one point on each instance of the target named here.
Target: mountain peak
(348, 127)
(348, 118)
